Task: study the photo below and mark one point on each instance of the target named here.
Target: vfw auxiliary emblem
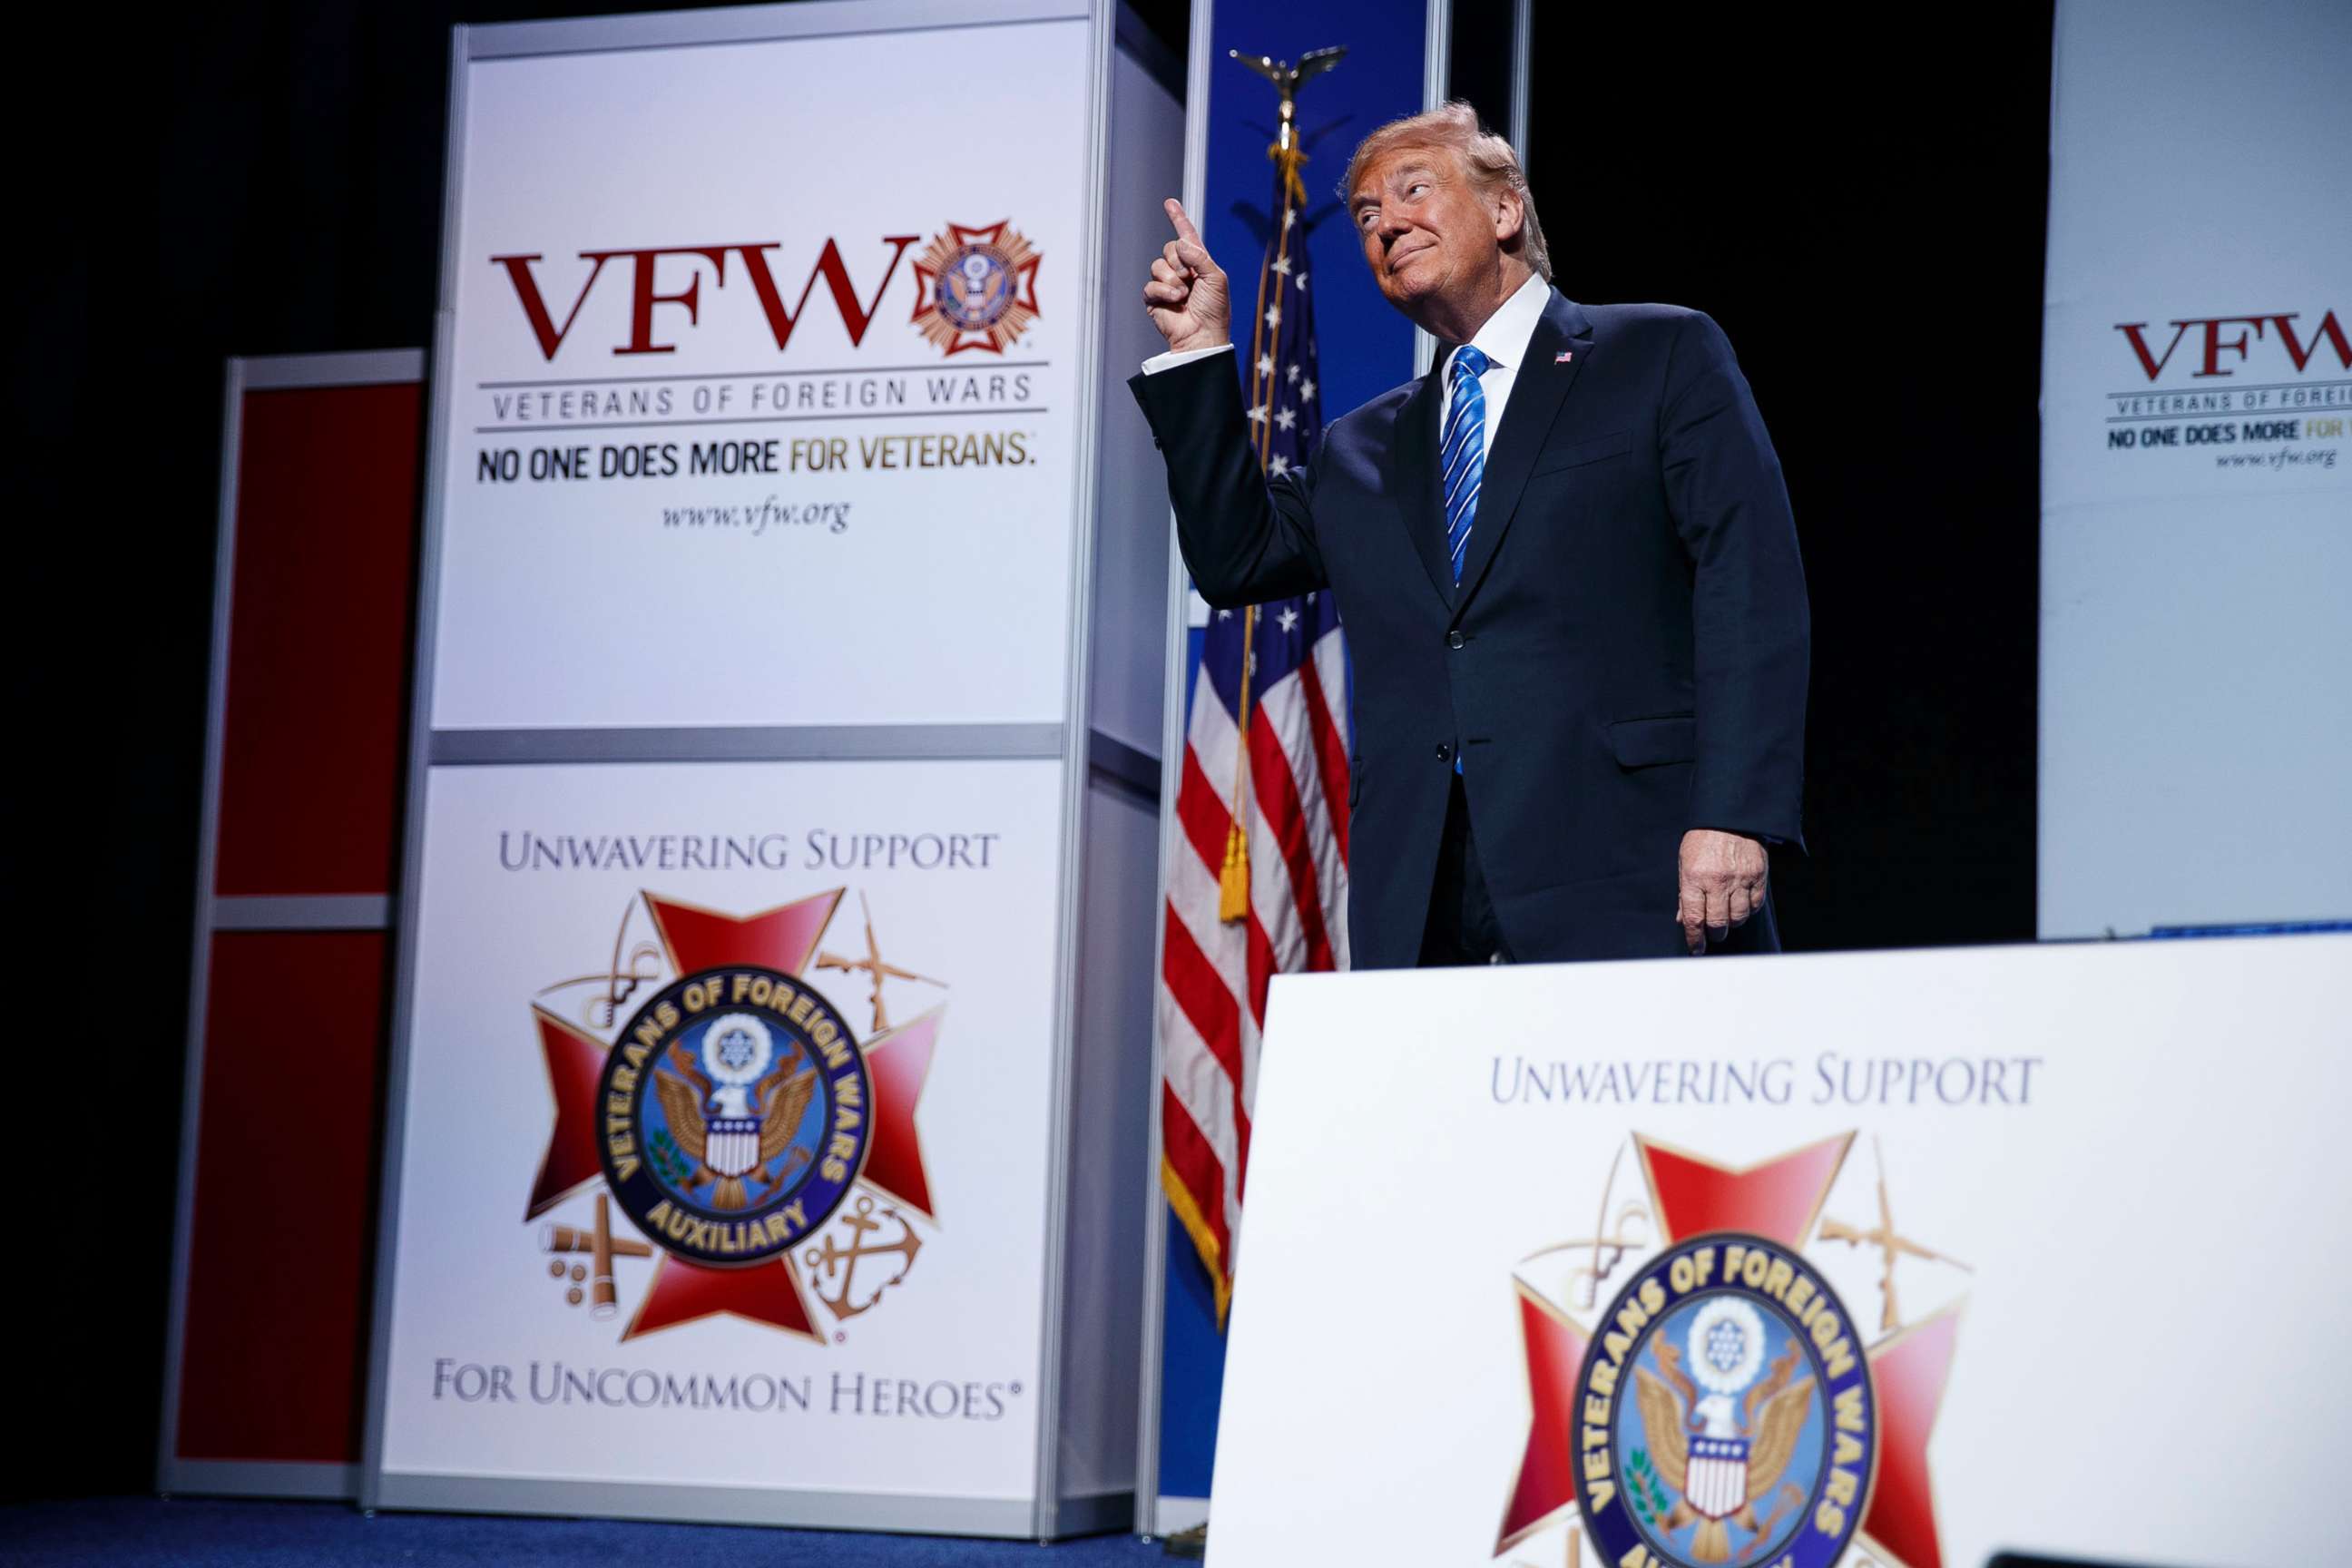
(1722, 1407)
(1725, 1414)
(976, 288)
(735, 1121)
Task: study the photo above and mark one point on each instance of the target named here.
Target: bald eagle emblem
(736, 1112)
(1741, 1426)
(976, 287)
(739, 1113)
(1721, 1448)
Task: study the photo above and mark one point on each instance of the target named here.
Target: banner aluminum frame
(345, 912)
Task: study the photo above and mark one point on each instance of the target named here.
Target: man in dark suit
(1566, 565)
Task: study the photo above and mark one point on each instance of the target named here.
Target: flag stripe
(1201, 814)
(1203, 1079)
(1319, 806)
(1228, 947)
(1209, 1009)
(1195, 1165)
(1216, 742)
(1331, 754)
(1205, 1093)
(1278, 797)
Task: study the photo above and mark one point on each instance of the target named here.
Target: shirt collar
(1504, 339)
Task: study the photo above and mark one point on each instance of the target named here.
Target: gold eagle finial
(1288, 80)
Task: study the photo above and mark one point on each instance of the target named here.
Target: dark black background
(1867, 225)
(256, 178)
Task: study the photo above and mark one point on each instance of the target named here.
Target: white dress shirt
(1503, 339)
(1173, 358)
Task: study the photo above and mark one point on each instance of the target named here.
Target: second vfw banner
(2195, 466)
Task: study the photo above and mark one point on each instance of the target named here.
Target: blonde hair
(1486, 157)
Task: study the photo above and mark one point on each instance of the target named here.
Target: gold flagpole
(1233, 879)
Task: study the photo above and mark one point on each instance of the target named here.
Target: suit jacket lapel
(1536, 396)
(1421, 506)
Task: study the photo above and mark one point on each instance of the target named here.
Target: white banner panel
(2197, 473)
(1899, 1260)
(762, 399)
(780, 1226)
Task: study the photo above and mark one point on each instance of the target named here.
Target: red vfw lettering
(2211, 344)
(645, 295)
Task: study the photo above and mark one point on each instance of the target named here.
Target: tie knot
(1470, 361)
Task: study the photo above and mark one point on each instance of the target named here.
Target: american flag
(1257, 883)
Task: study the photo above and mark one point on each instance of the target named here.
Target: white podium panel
(762, 403)
(1900, 1258)
(771, 1009)
(889, 1343)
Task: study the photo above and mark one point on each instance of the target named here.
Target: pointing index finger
(1184, 229)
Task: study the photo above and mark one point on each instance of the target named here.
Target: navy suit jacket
(1626, 656)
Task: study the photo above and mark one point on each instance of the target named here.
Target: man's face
(1431, 237)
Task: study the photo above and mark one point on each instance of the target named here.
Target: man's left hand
(1723, 877)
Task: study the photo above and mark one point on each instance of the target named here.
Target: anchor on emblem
(830, 1261)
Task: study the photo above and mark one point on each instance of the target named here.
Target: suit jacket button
(1444, 753)
(1454, 639)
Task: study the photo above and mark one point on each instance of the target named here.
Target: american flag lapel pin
(1563, 356)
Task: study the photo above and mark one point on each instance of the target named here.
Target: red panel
(276, 1353)
(326, 519)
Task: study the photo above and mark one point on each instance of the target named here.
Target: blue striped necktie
(1464, 451)
(1463, 454)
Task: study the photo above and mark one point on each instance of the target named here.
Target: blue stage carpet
(130, 1533)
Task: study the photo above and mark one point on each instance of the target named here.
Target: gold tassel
(1233, 881)
(1287, 161)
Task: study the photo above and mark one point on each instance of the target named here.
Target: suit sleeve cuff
(1169, 361)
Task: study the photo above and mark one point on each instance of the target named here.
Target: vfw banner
(1889, 1259)
(721, 1176)
(727, 1125)
(760, 401)
(2195, 466)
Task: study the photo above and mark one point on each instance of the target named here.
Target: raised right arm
(1245, 539)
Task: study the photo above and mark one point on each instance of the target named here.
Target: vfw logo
(1722, 1407)
(2222, 346)
(975, 288)
(735, 1119)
